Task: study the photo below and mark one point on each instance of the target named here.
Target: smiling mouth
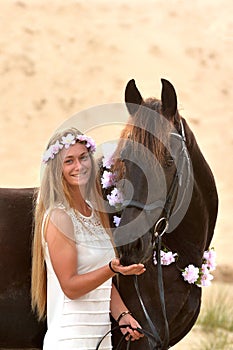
(79, 175)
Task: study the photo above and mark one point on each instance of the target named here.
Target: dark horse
(185, 202)
(18, 325)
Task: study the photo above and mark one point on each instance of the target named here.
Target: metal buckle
(156, 233)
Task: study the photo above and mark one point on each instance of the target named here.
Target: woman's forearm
(117, 305)
(78, 285)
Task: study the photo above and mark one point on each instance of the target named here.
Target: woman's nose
(78, 164)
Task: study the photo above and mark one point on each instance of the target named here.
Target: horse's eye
(169, 161)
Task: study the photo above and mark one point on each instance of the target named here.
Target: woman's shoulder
(62, 219)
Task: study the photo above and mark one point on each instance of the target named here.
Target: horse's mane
(148, 127)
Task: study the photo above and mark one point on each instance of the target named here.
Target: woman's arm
(63, 254)
(118, 308)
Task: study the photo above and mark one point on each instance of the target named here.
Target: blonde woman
(73, 256)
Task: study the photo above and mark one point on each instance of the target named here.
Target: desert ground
(58, 58)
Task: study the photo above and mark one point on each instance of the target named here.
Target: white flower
(115, 198)
(68, 140)
(107, 179)
(116, 220)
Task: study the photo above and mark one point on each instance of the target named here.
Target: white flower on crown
(68, 140)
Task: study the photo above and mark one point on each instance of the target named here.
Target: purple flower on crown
(56, 147)
(90, 143)
(51, 151)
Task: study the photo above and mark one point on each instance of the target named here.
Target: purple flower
(206, 276)
(107, 162)
(56, 147)
(209, 258)
(167, 258)
(116, 220)
(107, 179)
(90, 143)
(51, 151)
(191, 274)
(115, 198)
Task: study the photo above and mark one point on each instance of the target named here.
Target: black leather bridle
(158, 230)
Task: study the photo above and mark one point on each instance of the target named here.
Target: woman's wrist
(127, 312)
(110, 266)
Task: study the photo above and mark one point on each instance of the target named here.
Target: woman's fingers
(132, 334)
(134, 269)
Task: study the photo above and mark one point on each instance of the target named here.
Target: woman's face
(77, 165)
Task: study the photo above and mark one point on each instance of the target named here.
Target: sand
(58, 58)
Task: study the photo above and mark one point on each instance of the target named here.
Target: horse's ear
(133, 98)
(169, 99)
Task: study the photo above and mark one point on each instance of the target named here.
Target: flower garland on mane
(200, 276)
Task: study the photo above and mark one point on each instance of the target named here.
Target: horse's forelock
(152, 129)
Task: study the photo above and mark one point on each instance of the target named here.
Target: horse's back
(18, 325)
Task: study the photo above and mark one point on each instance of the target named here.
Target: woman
(73, 256)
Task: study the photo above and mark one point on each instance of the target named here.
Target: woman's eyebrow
(80, 155)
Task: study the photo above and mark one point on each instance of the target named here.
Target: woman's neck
(79, 201)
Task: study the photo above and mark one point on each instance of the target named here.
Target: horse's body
(191, 233)
(18, 325)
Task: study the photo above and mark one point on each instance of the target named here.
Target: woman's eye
(68, 161)
(85, 157)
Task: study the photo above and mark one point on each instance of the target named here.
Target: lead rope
(162, 295)
(152, 327)
(140, 330)
(160, 345)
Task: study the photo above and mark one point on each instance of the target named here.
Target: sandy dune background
(60, 57)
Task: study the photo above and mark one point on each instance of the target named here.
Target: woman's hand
(133, 334)
(134, 269)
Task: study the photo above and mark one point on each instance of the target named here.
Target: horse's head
(149, 155)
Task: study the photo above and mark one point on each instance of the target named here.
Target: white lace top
(80, 324)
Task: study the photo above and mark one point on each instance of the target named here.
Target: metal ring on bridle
(156, 233)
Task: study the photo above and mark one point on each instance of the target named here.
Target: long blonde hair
(53, 190)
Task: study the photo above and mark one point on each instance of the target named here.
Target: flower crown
(66, 142)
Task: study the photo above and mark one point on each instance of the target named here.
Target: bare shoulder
(59, 224)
